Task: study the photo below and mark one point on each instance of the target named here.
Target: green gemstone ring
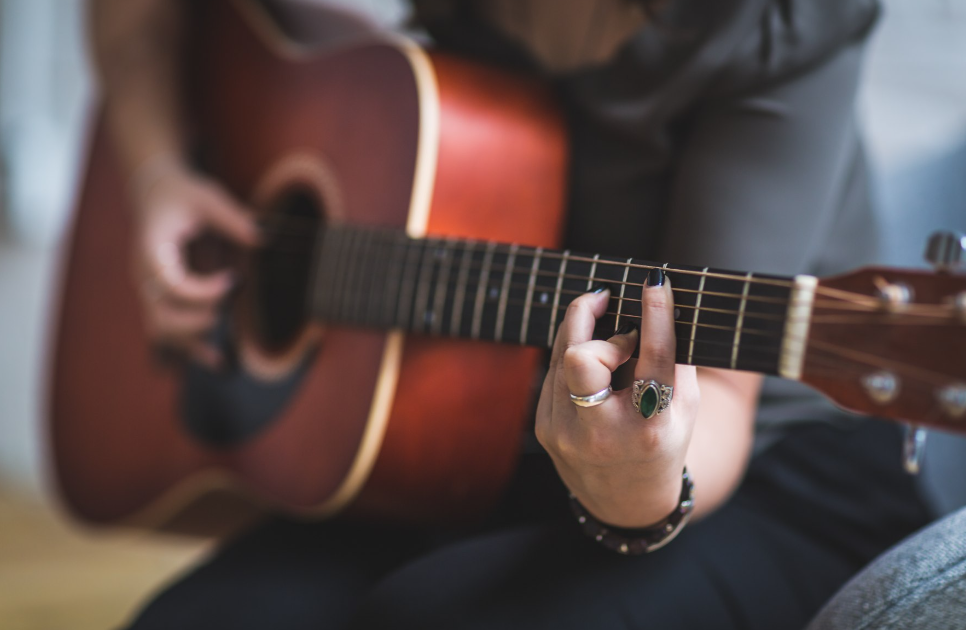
(651, 398)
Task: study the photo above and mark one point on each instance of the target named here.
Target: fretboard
(516, 294)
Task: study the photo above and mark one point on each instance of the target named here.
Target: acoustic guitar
(412, 205)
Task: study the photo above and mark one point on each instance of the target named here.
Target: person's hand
(625, 469)
(174, 207)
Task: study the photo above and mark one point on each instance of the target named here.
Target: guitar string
(836, 351)
(850, 297)
(868, 302)
(555, 255)
(815, 318)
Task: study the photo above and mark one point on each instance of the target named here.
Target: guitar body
(374, 134)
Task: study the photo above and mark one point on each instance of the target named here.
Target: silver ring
(651, 398)
(594, 399)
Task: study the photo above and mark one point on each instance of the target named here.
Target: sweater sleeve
(773, 180)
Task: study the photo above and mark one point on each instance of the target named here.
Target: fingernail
(599, 287)
(626, 329)
(655, 277)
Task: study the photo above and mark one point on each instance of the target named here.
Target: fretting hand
(625, 469)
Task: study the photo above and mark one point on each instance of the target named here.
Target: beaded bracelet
(643, 540)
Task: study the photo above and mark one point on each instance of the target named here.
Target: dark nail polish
(600, 287)
(655, 277)
(626, 329)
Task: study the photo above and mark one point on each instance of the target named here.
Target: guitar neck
(515, 294)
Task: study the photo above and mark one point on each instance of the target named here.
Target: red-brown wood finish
(116, 439)
(923, 344)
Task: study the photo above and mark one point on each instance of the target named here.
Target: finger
(204, 353)
(231, 219)
(166, 268)
(588, 366)
(578, 323)
(171, 322)
(657, 344)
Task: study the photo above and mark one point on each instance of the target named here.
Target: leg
(812, 511)
(283, 575)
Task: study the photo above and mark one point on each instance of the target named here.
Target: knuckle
(658, 352)
(656, 301)
(574, 307)
(578, 356)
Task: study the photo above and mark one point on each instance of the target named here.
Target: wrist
(638, 540)
(155, 169)
(630, 504)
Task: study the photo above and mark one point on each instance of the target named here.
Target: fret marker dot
(544, 298)
(494, 293)
(430, 317)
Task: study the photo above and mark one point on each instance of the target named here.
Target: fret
(395, 262)
(460, 295)
(720, 307)
(409, 274)
(481, 290)
(765, 317)
(362, 284)
(528, 302)
(697, 313)
(324, 273)
(439, 302)
(741, 321)
(593, 272)
(620, 303)
(381, 286)
(505, 292)
(420, 314)
(342, 273)
(556, 299)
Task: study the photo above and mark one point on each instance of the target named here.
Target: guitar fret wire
(315, 271)
(397, 262)
(531, 283)
(365, 283)
(481, 291)
(697, 311)
(464, 274)
(556, 298)
(406, 290)
(593, 271)
(620, 303)
(324, 272)
(344, 264)
(439, 304)
(504, 293)
(422, 286)
(741, 317)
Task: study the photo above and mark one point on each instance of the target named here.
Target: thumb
(227, 216)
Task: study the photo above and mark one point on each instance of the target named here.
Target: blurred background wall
(913, 105)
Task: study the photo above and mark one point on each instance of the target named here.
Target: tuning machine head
(946, 251)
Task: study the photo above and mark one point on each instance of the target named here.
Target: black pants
(811, 512)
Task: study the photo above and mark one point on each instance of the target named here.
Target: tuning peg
(946, 251)
(913, 447)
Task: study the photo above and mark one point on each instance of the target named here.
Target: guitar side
(412, 428)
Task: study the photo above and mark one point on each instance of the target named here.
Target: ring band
(594, 399)
(651, 398)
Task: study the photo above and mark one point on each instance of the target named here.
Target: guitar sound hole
(283, 268)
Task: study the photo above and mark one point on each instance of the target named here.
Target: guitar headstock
(892, 343)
